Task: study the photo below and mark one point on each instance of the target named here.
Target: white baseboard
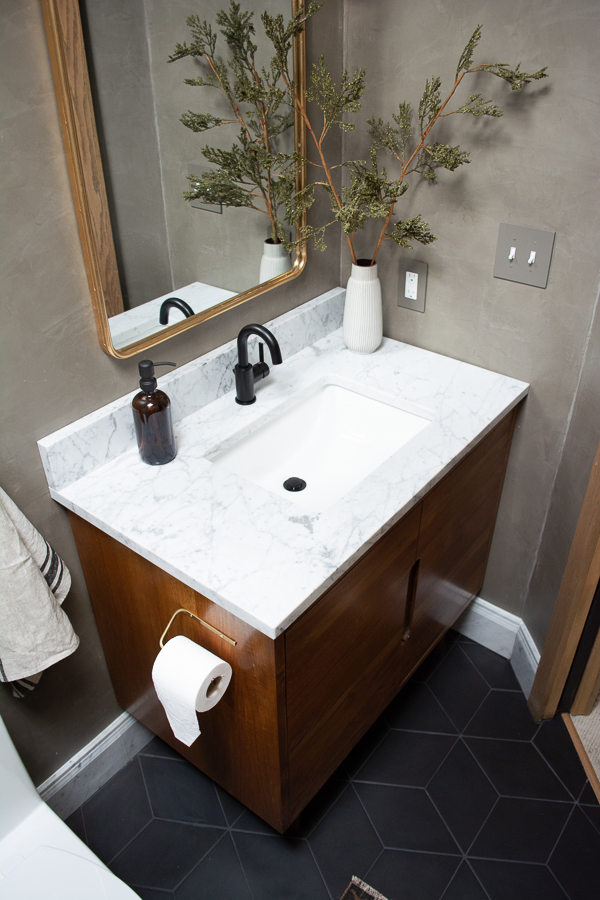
(94, 765)
(525, 659)
(489, 625)
(504, 633)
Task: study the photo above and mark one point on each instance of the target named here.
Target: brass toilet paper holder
(198, 619)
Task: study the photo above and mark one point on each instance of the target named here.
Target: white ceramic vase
(363, 319)
(275, 261)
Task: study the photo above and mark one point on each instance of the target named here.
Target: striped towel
(34, 581)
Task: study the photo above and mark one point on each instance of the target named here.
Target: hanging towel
(34, 581)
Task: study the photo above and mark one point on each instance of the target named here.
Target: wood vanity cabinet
(297, 705)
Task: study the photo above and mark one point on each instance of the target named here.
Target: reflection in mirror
(207, 255)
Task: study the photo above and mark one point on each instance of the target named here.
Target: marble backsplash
(90, 442)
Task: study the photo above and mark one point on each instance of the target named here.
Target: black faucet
(176, 303)
(245, 373)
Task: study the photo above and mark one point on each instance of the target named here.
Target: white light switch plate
(518, 244)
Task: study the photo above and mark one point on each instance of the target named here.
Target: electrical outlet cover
(524, 240)
(420, 268)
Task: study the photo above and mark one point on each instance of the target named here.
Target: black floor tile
(555, 744)
(280, 868)
(496, 670)
(344, 843)
(521, 830)
(151, 894)
(576, 859)
(406, 819)
(458, 686)
(232, 808)
(114, 815)
(593, 814)
(76, 824)
(433, 660)
(503, 714)
(464, 886)
(516, 769)
(156, 747)
(587, 795)
(399, 875)
(180, 792)
(366, 746)
(517, 881)
(462, 794)
(406, 758)
(219, 876)
(311, 816)
(416, 709)
(249, 821)
(164, 854)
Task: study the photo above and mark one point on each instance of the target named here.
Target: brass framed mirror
(118, 315)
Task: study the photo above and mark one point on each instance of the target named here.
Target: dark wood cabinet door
(456, 532)
(343, 659)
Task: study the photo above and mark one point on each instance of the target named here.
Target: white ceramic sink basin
(331, 439)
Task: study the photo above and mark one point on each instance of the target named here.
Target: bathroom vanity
(330, 610)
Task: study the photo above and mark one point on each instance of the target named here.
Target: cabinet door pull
(411, 595)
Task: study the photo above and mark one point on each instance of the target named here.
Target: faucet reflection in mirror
(124, 332)
(173, 303)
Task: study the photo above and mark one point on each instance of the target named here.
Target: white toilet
(40, 857)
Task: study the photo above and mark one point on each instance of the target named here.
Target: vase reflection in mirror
(363, 317)
(275, 261)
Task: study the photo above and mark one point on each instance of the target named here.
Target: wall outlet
(412, 285)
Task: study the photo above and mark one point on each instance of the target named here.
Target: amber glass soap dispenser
(152, 418)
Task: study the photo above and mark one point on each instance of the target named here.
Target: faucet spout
(245, 374)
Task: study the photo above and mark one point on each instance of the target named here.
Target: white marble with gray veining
(254, 553)
(81, 447)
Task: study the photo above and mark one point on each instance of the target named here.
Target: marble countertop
(259, 555)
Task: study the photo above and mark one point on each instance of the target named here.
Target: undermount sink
(331, 439)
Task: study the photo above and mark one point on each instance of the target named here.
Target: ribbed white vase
(363, 319)
(275, 261)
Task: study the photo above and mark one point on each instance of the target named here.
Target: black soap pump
(152, 418)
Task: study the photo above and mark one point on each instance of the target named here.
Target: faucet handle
(260, 369)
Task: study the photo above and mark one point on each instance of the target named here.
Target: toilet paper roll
(188, 678)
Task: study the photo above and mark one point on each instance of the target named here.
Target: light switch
(412, 285)
(523, 254)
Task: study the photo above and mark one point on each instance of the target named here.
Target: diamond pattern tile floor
(454, 794)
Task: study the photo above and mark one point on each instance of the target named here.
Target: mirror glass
(207, 255)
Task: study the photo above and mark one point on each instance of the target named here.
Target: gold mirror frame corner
(68, 62)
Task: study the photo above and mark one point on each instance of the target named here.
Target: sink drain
(294, 484)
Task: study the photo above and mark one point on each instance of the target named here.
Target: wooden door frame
(578, 586)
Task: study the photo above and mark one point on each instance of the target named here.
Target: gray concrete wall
(52, 369)
(536, 166)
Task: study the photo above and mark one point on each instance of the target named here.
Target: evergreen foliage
(369, 192)
(253, 173)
